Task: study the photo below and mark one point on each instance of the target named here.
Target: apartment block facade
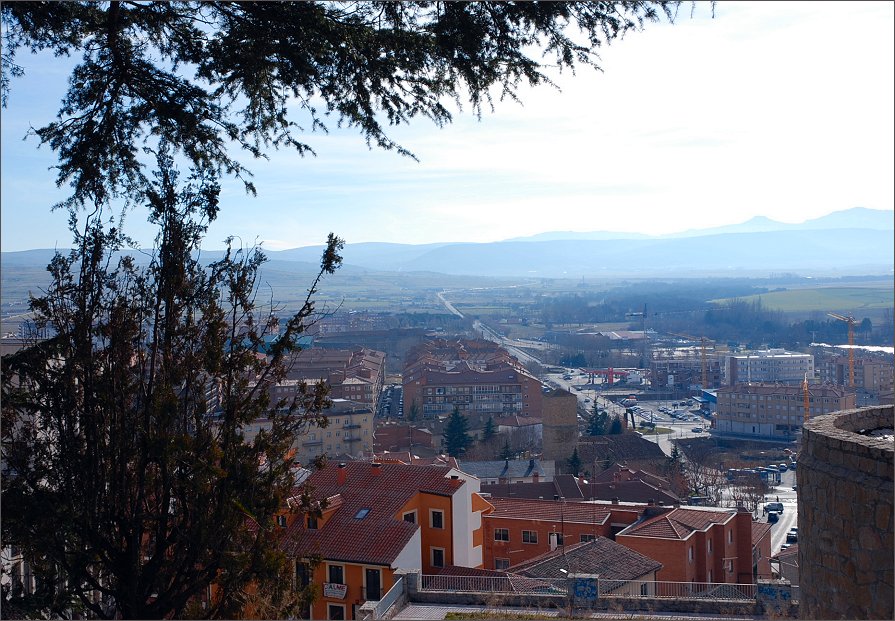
(352, 374)
(477, 378)
(769, 365)
(702, 544)
(874, 375)
(775, 410)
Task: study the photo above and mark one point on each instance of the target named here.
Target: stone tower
(560, 416)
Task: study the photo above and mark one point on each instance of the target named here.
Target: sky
(774, 109)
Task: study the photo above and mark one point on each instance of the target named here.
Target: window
(557, 536)
(730, 536)
(585, 538)
(335, 612)
(437, 557)
(409, 517)
(281, 521)
(312, 522)
(710, 548)
(501, 534)
(436, 518)
(302, 574)
(362, 513)
(529, 536)
(690, 554)
(730, 565)
(336, 574)
(501, 563)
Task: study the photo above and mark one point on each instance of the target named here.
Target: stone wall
(846, 490)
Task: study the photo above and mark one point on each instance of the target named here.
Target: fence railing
(722, 591)
(394, 594)
(606, 588)
(495, 584)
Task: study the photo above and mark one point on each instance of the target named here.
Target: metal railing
(495, 584)
(720, 591)
(523, 585)
(393, 595)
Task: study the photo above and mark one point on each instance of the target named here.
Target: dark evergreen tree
(597, 422)
(506, 453)
(616, 427)
(456, 436)
(574, 462)
(489, 430)
(124, 432)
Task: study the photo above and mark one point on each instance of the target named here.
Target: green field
(854, 300)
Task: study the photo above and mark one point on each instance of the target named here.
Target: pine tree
(489, 430)
(574, 462)
(597, 422)
(506, 453)
(616, 428)
(456, 436)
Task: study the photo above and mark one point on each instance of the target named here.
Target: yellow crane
(702, 343)
(851, 321)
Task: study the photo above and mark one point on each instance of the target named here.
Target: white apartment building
(769, 365)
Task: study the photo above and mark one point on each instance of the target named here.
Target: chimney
(581, 480)
(535, 476)
(615, 501)
(376, 469)
(651, 502)
(341, 474)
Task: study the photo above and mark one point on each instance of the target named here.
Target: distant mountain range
(849, 242)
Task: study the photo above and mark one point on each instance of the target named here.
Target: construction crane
(702, 343)
(851, 321)
(642, 315)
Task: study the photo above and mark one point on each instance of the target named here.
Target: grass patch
(824, 299)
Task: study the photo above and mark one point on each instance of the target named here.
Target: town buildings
(353, 374)
(702, 544)
(508, 471)
(768, 365)
(874, 375)
(478, 377)
(775, 411)
(377, 518)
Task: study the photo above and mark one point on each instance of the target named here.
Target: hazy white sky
(777, 109)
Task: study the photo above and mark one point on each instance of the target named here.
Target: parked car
(773, 507)
(773, 517)
(792, 536)
(697, 429)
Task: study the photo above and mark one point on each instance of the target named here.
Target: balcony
(312, 443)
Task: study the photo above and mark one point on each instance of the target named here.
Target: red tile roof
(679, 523)
(380, 536)
(759, 531)
(526, 509)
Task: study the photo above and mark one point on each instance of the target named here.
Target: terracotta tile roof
(790, 555)
(679, 523)
(379, 537)
(602, 556)
(525, 509)
(759, 531)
